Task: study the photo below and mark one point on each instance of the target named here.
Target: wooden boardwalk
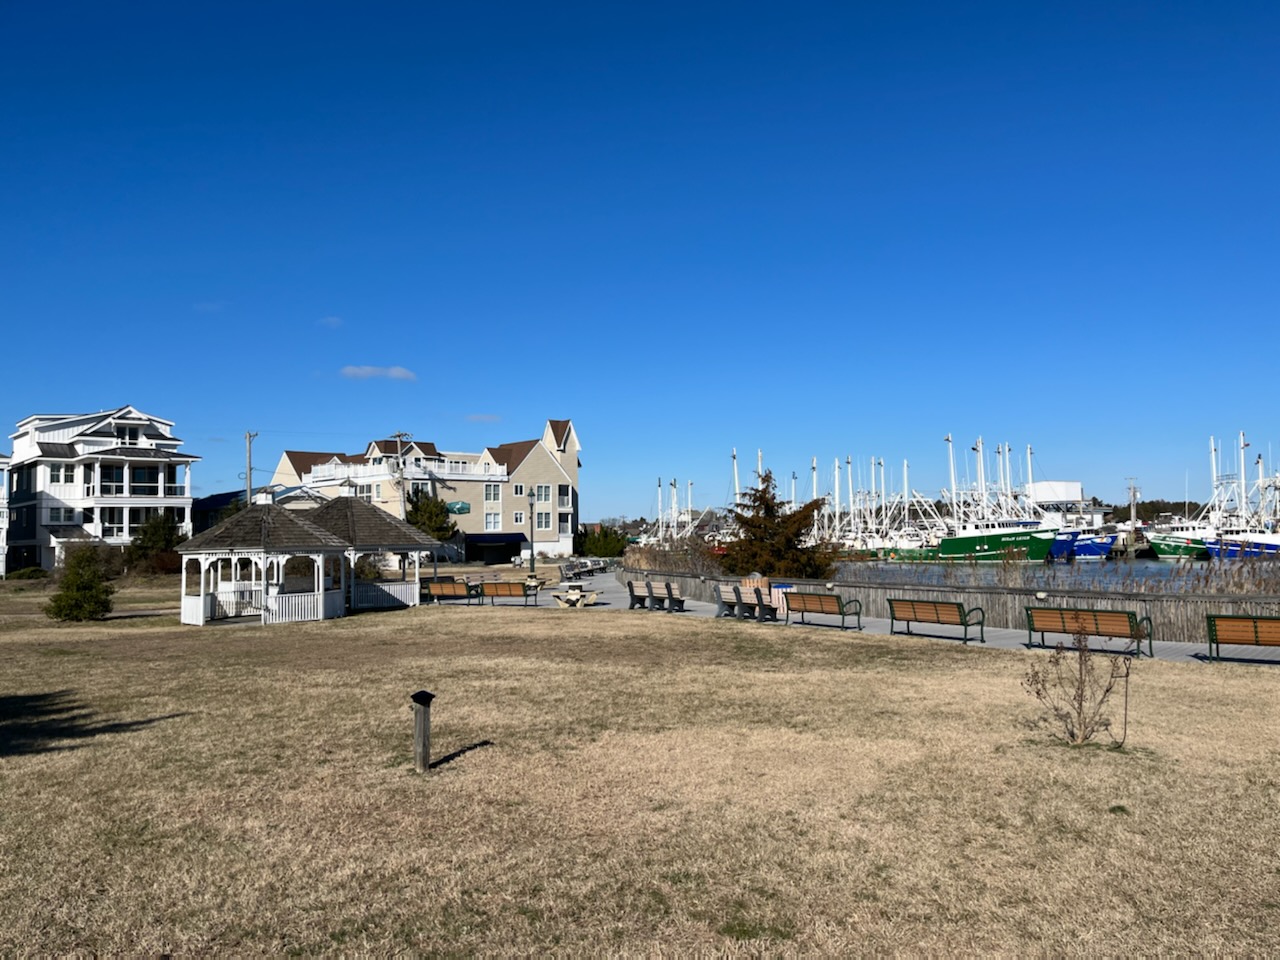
(612, 594)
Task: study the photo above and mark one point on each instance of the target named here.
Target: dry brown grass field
(635, 784)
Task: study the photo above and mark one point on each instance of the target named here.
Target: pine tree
(430, 515)
(83, 592)
(771, 537)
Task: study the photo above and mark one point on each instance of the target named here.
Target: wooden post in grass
(422, 729)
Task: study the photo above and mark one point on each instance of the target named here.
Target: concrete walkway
(613, 595)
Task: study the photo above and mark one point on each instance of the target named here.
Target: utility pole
(400, 437)
(248, 468)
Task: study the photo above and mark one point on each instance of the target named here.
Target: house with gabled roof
(506, 500)
(95, 477)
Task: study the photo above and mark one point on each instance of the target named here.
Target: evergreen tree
(157, 537)
(430, 515)
(83, 592)
(604, 542)
(771, 537)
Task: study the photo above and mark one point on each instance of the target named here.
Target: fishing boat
(1093, 544)
(1174, 537)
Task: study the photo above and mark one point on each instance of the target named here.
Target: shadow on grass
(450, 757)
(48, 722)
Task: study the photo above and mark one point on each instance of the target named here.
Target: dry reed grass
(653, 784)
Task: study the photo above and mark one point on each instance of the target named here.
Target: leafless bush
(1074, 690)
(689, 557)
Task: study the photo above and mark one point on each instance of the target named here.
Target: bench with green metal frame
(802, 602)
(1241, 629)
(946, 612)
(1122, 624)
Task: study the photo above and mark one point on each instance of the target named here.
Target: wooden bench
(1242, 629)
(801, 602)
(665, 596)
(451, 590)
(639, 594)
(509, 588)
(756, 594)
(729, 601)
(946, 612)
(1124, 624)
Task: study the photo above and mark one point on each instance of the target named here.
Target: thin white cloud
(333, 323)
(369, 373)
(483, 417)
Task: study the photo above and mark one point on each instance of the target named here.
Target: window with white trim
(518, 518)
(493, 521)
(62, 473)
(62, 515)
(365, 492)
(544, 493)
(517, 489)
(544, 520)
(493, 493)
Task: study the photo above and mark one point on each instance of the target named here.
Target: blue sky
(825, 229)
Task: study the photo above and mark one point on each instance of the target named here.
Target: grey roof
(265, 527)
(62, 451)
(364, 526)
(143, 453)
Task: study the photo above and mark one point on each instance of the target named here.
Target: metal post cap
(422, 698)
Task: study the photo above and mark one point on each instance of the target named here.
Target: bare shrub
(1074, 690)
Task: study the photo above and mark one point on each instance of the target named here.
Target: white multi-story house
(500, 498)
(92, 477)
(4, 512)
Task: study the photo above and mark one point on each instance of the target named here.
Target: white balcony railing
(386, 472)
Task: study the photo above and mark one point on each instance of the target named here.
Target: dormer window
(127, 436)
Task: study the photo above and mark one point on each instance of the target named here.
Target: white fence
(292, 608)
(238, 602)
(399, 593)
(196, 610)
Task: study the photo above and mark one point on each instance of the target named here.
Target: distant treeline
(1148, 510)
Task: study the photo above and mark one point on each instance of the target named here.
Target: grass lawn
(636, 784)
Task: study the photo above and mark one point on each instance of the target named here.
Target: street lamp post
(533, 560)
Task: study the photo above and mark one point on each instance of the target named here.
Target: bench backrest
(643, 591)
(504, 588)
(814, 602)
(448, 589)
(728, 593)
(1093, 623)
(928, 611)
(1234, 628)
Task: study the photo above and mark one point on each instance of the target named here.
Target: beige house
(499, 498)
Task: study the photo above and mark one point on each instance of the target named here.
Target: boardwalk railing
(1176, 616)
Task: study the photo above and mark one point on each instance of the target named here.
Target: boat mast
(849, 479)
(951, 459)
(906, 496)
(836, 498)
(1242, 506)
(982, 479)
(737, 491)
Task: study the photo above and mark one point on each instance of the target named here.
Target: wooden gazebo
(264, 560)
(368, 531)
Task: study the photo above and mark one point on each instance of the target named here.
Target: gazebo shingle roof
(266, 527)
(362, 525)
